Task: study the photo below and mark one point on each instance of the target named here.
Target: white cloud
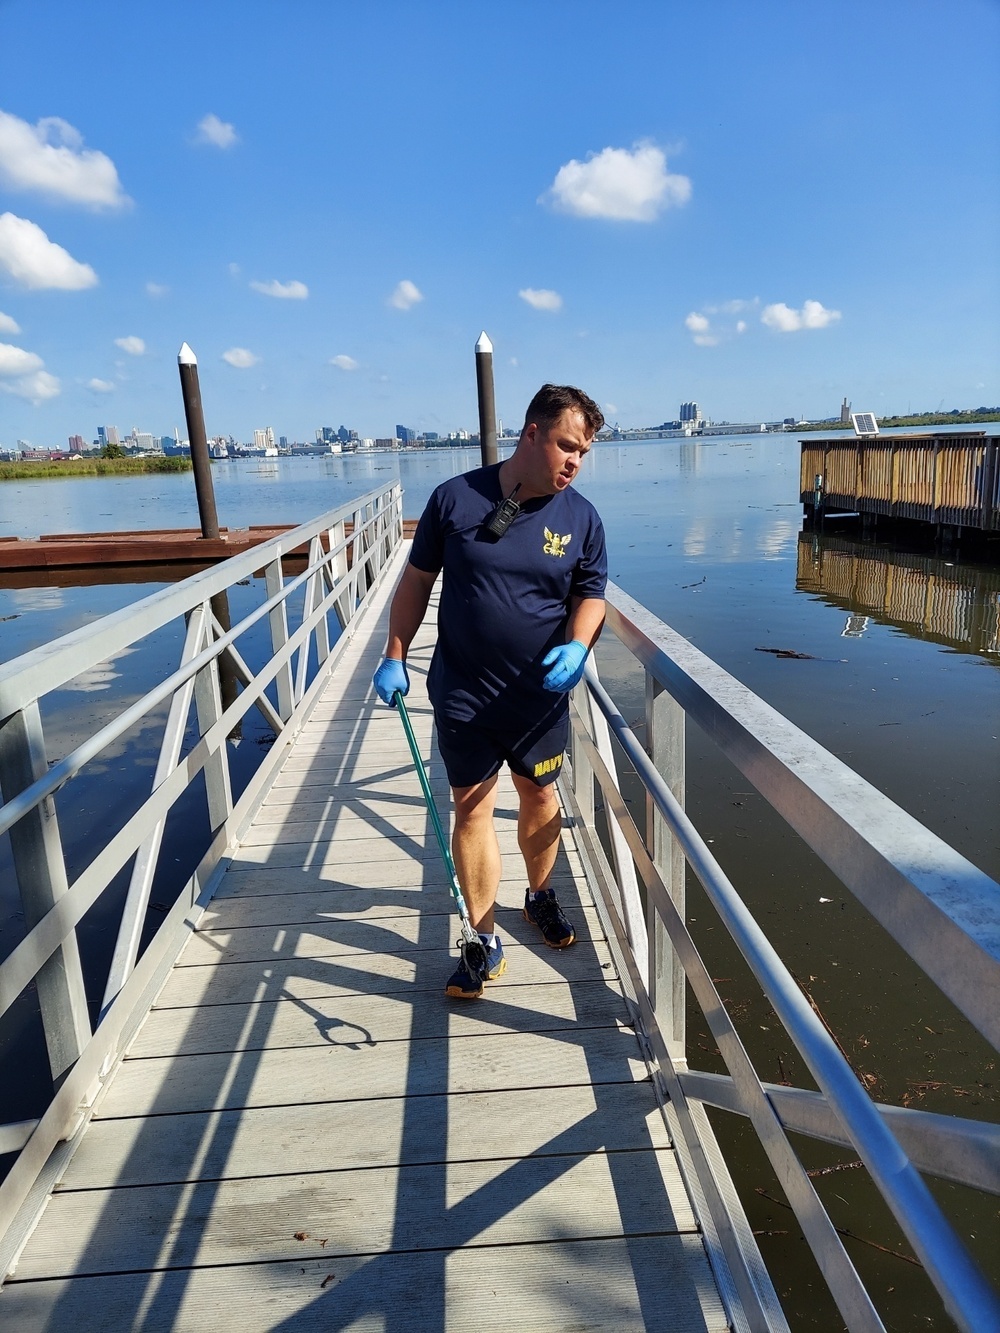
(611, 407)
(218, 133)
(343, 362)
(133, 345)
(36, 387)
(16, 361)
(700, 327)
(49, 158)
(741, 326)
(156, 289)
(618, 183)
(8, 324)
(101, 386)
(34, 261)
(540, 298)
(406, 294)
(286, 291)
(234, 270)
(21, 373)
(813, 315)
(240, 357)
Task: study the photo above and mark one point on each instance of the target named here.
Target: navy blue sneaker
(462, 985)
(544, 911)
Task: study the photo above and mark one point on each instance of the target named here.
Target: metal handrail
(338, 580)
(842, 1111)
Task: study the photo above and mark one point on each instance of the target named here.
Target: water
(707, 535)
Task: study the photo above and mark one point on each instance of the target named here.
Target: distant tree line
(952, 418)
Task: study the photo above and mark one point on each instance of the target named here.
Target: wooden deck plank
(654, 1284)
(371, 974)
(331, 1136)
(273, 1020)
(371, 1211)
(387, 934)
(245, 879)
(295, 1076)
(316, 902)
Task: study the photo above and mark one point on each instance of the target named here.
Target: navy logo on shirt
(554, 544)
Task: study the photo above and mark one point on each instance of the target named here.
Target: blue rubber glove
(391, 676)
(567, 662)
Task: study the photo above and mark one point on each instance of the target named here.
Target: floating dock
(150, 546)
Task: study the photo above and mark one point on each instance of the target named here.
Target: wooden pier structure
(949, 480)
(280, 1122)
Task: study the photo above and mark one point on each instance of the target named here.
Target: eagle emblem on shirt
(554, 544)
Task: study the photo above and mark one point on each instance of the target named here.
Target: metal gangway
(269, 1116)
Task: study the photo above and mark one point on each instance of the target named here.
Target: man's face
(557, 452)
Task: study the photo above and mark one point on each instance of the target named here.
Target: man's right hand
(390, 677)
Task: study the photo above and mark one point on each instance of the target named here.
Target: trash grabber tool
(472, 949)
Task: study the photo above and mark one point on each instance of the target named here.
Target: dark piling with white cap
(487, 401)
(200, 461)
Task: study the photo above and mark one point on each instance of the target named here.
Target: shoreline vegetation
(981, 414)
(92, 467)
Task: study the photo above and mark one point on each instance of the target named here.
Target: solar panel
(864, 423)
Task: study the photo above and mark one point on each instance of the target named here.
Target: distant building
(283, 441)
(263, 440)
(845, 413)
(690, 412)
(431, 436)
(76, 444)
(108, 435)
(143, 441)
(387, 444)
(404, 435)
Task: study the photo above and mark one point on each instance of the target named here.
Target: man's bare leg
(539, 824)
(476, 850)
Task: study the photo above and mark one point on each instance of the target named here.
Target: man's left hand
(567, 663)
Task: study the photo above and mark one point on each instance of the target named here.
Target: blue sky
(760, 205)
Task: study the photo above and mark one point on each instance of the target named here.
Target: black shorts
(473, 754)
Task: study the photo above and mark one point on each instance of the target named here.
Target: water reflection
(930, 598)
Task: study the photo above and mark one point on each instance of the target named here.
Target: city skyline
(762, 231)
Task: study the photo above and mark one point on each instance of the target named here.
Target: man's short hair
(552, 400)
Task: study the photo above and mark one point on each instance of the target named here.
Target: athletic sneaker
(547, 915)
(462, 985)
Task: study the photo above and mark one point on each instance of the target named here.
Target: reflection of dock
(950, 604)
(951, 481)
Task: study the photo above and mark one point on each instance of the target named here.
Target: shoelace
(546, 912)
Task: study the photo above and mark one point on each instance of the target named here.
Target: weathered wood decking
(306, 1134)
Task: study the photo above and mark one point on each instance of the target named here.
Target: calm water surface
(707, 535)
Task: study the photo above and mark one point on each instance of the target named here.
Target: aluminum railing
(342, 570)
(942, 910)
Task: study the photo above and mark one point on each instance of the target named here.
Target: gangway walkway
(275, 1120)
(306, 1133)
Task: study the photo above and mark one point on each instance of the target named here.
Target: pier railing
(342, 570)
(939, 907)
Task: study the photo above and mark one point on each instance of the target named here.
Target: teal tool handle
(429, 798)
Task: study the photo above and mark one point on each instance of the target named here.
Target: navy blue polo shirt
(504, 601)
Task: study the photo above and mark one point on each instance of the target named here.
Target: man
(522, 603)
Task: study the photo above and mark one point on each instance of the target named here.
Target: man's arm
(407, 611)
(586, 620)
